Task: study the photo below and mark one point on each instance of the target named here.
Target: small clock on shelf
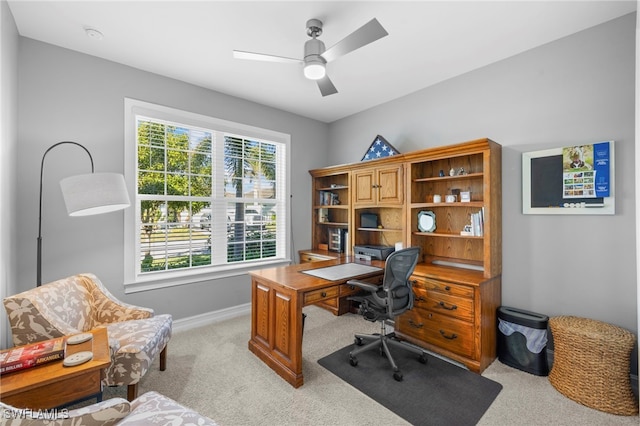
(426, 221)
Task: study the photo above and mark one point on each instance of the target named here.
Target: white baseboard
(208, 318)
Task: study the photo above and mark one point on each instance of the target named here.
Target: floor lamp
(86, 194)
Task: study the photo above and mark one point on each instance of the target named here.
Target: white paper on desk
(339, 272)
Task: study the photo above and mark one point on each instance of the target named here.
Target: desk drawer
(443, 303)
(442, 286)
(348, 290)
(312, 257)
(446, 332)
(317, 295)
(457, 307)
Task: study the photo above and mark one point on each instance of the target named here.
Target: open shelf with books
(459, 185)
(331, 208)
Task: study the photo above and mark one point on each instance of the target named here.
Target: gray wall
(8, 156)
(577, 90)
(65, 95)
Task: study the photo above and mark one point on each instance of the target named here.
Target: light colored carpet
(211, 370)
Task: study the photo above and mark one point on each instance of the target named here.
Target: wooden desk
(53, 385)
(277, 298)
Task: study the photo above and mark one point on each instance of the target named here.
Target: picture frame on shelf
(426, 221)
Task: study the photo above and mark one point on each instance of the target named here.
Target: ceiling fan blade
(368, 33)
(239, 54)
(326, 86)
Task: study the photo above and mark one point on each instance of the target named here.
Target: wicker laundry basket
(591, 364)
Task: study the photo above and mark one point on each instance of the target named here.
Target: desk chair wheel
(353, 361)
(423, 358)
(398, 376)
(358, 341)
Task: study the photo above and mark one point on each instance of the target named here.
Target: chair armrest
(107, 308)
(103, 413)
(371, 288)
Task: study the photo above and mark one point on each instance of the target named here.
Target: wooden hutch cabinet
(377, 186)
(457, 283)
(330, 218)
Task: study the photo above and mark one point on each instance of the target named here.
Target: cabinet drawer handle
(323, 294)
(414, 325)
(450, 337)
(420, 299)
(448, 308)
(447, 288)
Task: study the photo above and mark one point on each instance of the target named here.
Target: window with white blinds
(210, 196)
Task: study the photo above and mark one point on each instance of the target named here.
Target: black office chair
(385, 303)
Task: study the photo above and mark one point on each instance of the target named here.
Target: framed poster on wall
(569, 180)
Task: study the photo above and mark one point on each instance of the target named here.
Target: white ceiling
(192, 41)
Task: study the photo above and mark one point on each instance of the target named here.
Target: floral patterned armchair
(150, 408)
(80, 303)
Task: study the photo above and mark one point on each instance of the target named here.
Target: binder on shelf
(477, 225)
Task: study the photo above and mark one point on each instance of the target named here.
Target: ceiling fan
(316, 57)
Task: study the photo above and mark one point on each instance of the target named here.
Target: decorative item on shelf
(452, 172)
(323, 215)
(437, 198)
(461, 172)
(465, 196)
(426, 221)
(467, 231)
(441, 173)
(379, 148)
(450, 198)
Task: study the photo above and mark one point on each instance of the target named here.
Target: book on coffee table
(31, 355)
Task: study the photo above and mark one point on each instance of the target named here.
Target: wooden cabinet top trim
(426, 154)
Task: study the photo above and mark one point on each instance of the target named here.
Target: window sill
(155, 281)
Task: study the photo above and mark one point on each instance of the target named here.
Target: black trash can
(522, 340)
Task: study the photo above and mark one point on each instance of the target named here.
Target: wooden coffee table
(53, 385)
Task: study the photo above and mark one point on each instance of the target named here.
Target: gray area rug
(435, 393)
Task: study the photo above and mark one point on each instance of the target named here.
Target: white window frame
(134, 281)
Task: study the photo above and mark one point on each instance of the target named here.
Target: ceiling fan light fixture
(314, 69)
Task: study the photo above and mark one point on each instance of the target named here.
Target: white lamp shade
(94, 193)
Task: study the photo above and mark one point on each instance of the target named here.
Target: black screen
(546, 184)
